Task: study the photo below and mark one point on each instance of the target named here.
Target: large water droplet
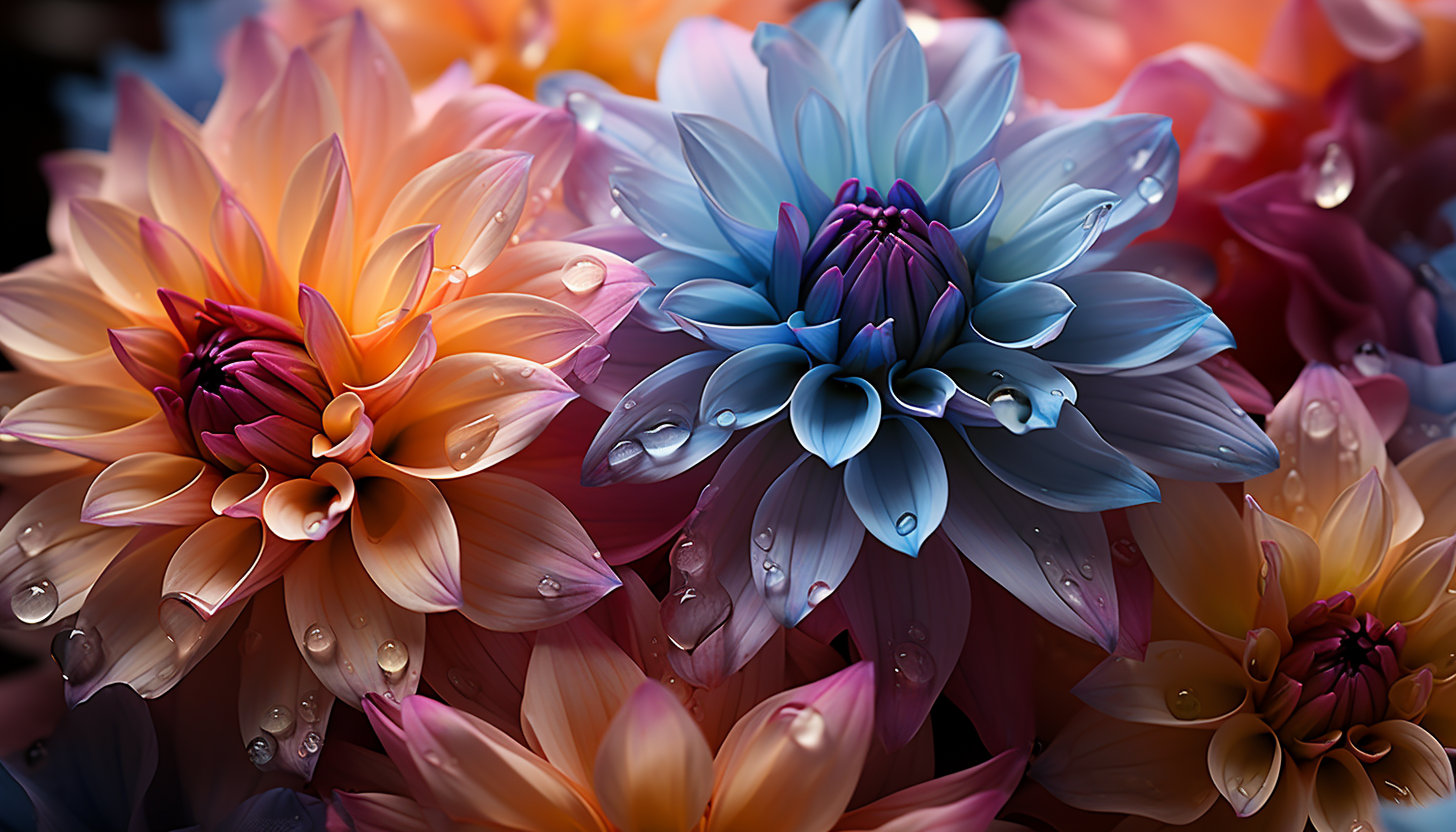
(466, 444)
(548, 587)
(1183, 703)
(278, 721)
(665, 437)
(1151, 190)
(1294, 489)
(318, 640)
(775, 579)
(764, 540)
(586, 109)
(905, 524)
(1318, 420)
(913, 664)
(583, 275)
(624, 452)
(393, 656)
(79, 653)
(806, 725)
(1369, 359)
(36, 602)
(694, 612)
(33, 539)
(181, 623)
(308, 707)
(818, 591)
(725, 418)
(689, 556)
(1086, 569)
(261, 750)
(312, 742)
(1335, 178)
(1011, 407)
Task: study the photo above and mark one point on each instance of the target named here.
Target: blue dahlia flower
(884, 271)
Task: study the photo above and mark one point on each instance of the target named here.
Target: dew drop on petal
(1369, 359)
(725, 418)
(312, 742)
(818, 591)
(806, 726)
(688, 556)
(665, 437)
(905, 524)
(586, 109)
(463, 681)
(1335, 178)
(1151, 190)
(392, 656)
(33, 539)
(277, 720)
(583, 275)
(1317, 420)
(913, 664)
(1086, 569)
(548, 587)
(500, 216)
(466, 444)
(308, 707)
(1183, 703)
(456, 275)
(693, 612)
(36, 602)
(261, 750)
(181, 623)
(1294, 488)
(1095, 216)
(764, 540)
(624, 452)
(1011, 407)
(79, 653)
(318, 640)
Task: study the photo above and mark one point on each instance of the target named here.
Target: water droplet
(624, 452)
(1151, 190)
(1369, 359)
(308, 707)
(764, 540)
(392, 656)
(463, 681)
(1059, 394)
(495, 375)
(583, 275)
(998, 375)
(1183, 704)
(586, 109)
(318, 640)
(725, 418)
(806, 726)
(278, 721)
(466, 444)
(629, 404)
(689, 557)
(1011, 407)
(1335, 177)
(665, 437)
(35, 603)
(548, 587)
(33, 539)
(500, 216)
(1095, 216)
(527, 371)
(913, 664)
(78, 652)
(695, 611)
(1068, 165)
(1086, 569)
(917, 632)
(261, 750)
(181, 623)
(1317, 420)
(358, 621)
(312, 742)
(818, 591)
(456, 275)
(1140, 158)
(905, 524)
(1294, 489)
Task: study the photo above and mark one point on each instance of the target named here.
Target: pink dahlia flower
(287, 343)
(1304, 669)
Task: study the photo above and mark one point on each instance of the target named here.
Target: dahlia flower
(1306, 671)
(610, 749)
(291, 340)
(513, 42)
(894, 297)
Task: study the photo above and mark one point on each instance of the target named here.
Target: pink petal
(967, 800)
(479, 671)
(653, 769)
(598, 286)
(56, 324)
(524, 326)
(992, 682)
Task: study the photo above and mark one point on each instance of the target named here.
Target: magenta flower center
(1345, 665)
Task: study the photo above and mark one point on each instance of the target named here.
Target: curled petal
(224, 561)
(243, 493)
(1416, 770)
(752, 385)
(348, 431)
(405, 536)
(653, 769)
(1024, 314)
(834, 417)
(1179, 683)
(309, 509)
(1244, 760)
(1417, 582)
(101, 423)
(152, 488)
(1343, 796)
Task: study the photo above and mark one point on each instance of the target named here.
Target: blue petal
(821, 340)
(1432, 386)
(972, 204)
(1123, 320)
(797, 71)
(670, 211)
(1181, 424)
(822, 142)
(726, 315)
(922, 150)
(898, 485)
(669, 269)
(1211, 339)
(871, 27)
(1068, 466)
(982, 371)
(924, 392)
(944, 327)
(977, 110)
(1065, 227)
(963, 54)
(897, 88)
(804, 539)
(653, 433)
(1133, 156)
(735, 171)
(823, 23)
(708, 67)
(834, 418)
(752, 385)
(1025, 314)
(1054, 561)
(788, 260)
(870, 349)
(641, 127)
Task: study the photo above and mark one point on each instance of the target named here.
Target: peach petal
(479, 671)
(1431, 474)
(342, 623)
(58, 324)
(524, 326)
(253, 276)
(406, 538)
(152, 488)
(45, 541)
(182, 183)
(225, 561)
(537, 268)
(328, 340)
(1354, 536)
(1430, 641)
(309, 509)
(278, 693)
(525, 561)
(1343, 798)
(253, 59)
(1417, 582)
(24, 459)
(100, 423)
(1244, 760)
(1194, 543)
(243, 493)
(1262, 651)
(399, 354)
(109, 245)
(392, 281)
(1102, 764)
(141, 110)
(149, 355)
(968, 799)
(348, 431)
(653, 771)
(378, 812)
(1417, 768)
(468, 412)
(1182, 683)
(792, 762)
(316, 221)
(576, 682)
(1299, 555)
(70, 173)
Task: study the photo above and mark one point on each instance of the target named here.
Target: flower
(513, 43)
(613, 750)
(1306, 670)
(288, 343)
(894, 295)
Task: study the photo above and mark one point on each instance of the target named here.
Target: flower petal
(544, 268)
(58, 326)
(479, 671)
(523, 326)
(708, 66)
(1127, 319)
(737, 174)
(752, 385)
(834, 417)
(898, 485)
(278, 695)
(968, 799)
(1025, 314)
(152, 488)
(223, 562)
(406, 538)
(1180, 683)
(1343, 796)
(653, 769)
(1354, 536)
(1056, 235)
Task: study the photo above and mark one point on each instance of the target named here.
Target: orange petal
(1431, 473)
(525, 562)
(1431, 641)
(1299, 566)
(141, 110)
(253, 274)
(393, 279)
(100, 423)
(182, 183)
(354, 638)
(1416, 769)
(1180, 683)
(59, 326)
(152, 489)
(1194, 543)
(575, 684)
(1343, 798)
(792, 762)
(1244, 760)
(392, 362)
(316, 221)
(479, 671)
(109, 246)
(566, 273)
(225, 561)
(279, 698)
(964, 800)
(1417, 582)
(468, 412)
(654, 772)
(1354, 536)
(328, 341)
(309, 509)
(348, 431)
(243, 493)
(406, 538)
(524, 326)
(1103, 764)
(50, 556)
(1440, 711)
